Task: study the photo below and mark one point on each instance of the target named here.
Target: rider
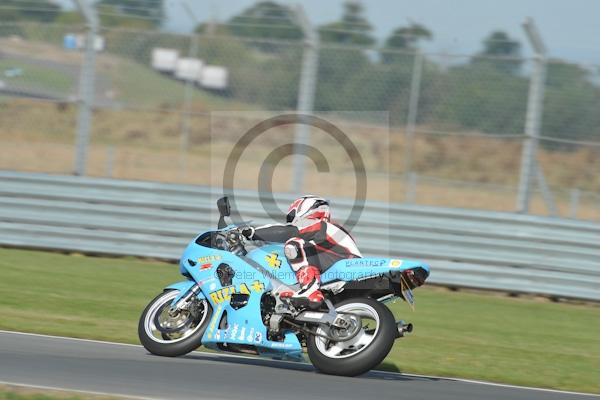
(312, 244)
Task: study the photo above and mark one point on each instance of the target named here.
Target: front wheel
(368, 345)
(172, 335)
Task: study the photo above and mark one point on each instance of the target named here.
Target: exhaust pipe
(403, 328)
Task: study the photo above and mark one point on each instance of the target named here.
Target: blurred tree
(131, 13)
(571, 102)
(338, 67)
(403, 38)
(28, 10)
(379, 87)
(502, 52)
(266, 20)
(560, 74)
(342, 70)
(498, 43)
(407, 37)
(481, 97)
(352, 29)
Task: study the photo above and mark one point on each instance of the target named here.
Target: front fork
(183, 302)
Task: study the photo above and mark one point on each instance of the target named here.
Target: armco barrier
(465, 248)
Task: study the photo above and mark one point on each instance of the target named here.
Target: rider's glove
(247, 232)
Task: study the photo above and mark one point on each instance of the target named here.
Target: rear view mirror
(224, 207)
(224, 211)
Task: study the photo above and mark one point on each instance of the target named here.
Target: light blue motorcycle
(229, 302)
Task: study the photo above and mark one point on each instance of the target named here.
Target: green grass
(139, 84)
(11, 392)
(10, 395)
(36, 77)
(521, 341)
(78, 296)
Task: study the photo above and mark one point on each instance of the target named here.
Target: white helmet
(308, 207)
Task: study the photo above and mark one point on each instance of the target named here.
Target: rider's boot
(309, 294)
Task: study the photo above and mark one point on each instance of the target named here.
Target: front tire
(365, 350)
(173, 336)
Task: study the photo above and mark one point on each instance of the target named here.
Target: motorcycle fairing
(272, 258)
(356, 269)
(251, 277)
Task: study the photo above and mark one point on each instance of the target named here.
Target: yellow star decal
(258, 286)
(273, 260)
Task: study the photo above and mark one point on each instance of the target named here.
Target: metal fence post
(533, 117)
(306, 96)
(86, 87)
(411, 121)
(188, 92)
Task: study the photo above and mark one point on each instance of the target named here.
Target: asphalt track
(119, 369)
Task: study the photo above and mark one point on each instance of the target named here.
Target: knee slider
(294, 252)
(291, 251)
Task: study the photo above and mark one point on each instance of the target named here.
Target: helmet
(308, 207)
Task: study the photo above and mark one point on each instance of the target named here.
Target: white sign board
(164, 60)
(214, 77)
(188, 69)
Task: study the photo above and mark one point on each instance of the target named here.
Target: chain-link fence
(457, 123)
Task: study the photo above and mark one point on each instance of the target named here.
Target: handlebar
(231, 240)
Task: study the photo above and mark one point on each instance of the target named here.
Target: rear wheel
(367, 345)
(171, 335)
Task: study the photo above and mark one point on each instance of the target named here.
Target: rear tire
(350, 361)
(165, 344)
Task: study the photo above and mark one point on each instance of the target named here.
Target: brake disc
(345, 327)
(178, 322)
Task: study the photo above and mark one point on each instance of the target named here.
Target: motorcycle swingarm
(308, 331)
(328, 319)
(317, 317)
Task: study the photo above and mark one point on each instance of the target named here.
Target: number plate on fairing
(407, 293)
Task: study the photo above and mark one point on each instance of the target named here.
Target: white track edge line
(506, 385)
(68, 338)
(474, 381)
(64, 389)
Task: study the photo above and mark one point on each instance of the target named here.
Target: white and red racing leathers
(310, 249)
